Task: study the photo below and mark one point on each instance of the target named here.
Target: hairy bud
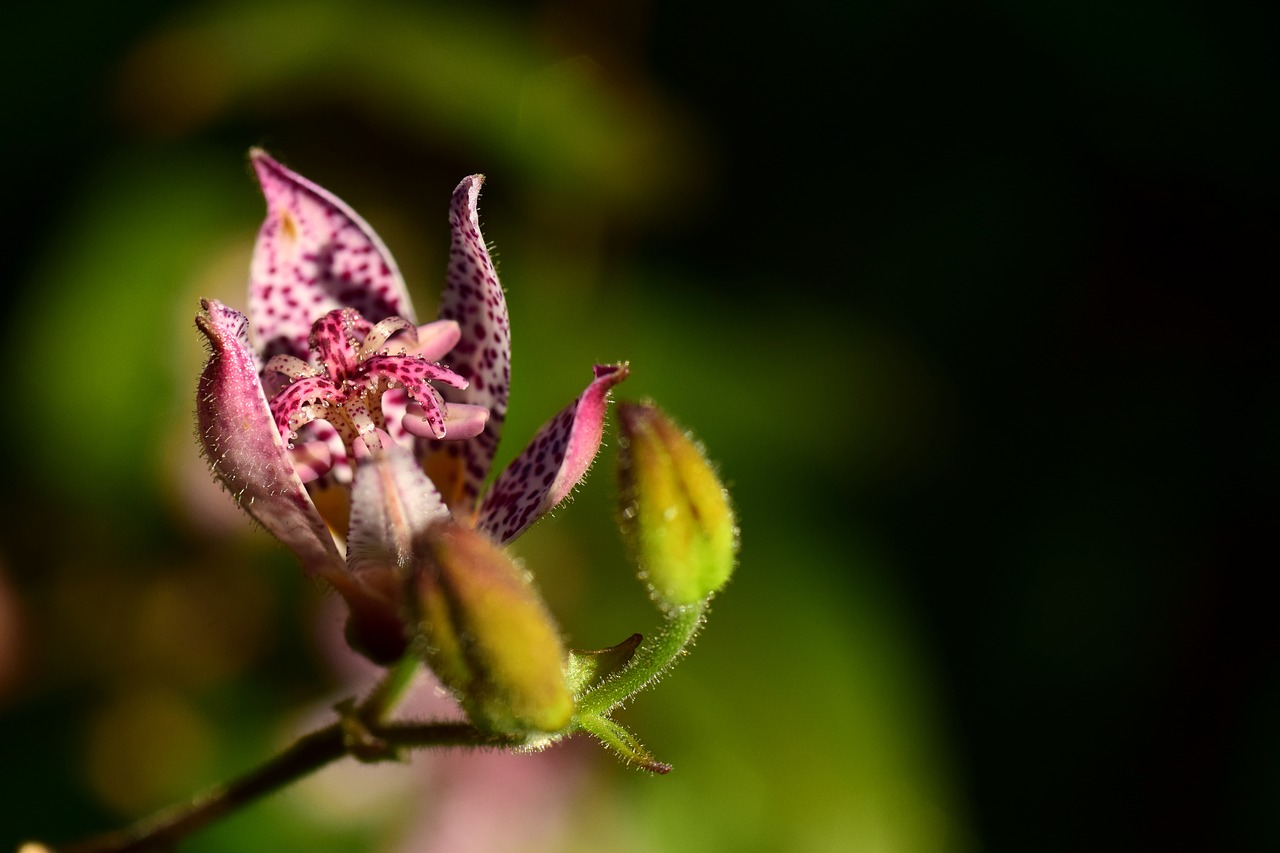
(484, 631)
(675, 512)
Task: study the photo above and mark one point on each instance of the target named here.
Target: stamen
(333, 340)
(301, 402)
(435, 340)
(291, 366)
(380, 333)
(354, 372)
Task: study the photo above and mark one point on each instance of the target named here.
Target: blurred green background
(960, 299)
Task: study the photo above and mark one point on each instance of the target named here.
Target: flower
(341, 429)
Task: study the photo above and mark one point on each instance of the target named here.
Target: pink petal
(314, 254)
(460, 422)
(245, 449)
(473, 298)
(435, 340)
(311, 460)
(547, 470)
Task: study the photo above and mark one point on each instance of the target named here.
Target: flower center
(354, 369)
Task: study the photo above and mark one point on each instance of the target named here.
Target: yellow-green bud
(484, 631)
(675, 511)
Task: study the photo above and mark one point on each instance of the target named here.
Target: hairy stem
(162, 831)
(390, 690)
(655, 656)
(419, 735)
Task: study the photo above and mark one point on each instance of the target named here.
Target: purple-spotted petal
(547, 470)
(473, 299)
(314, 254)
(247, 454)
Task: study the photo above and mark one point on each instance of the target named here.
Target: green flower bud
(486, 634)
(675, 512)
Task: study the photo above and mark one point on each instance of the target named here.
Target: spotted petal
(547, 470)
(245, 449)
(314, 254)
(473, 298)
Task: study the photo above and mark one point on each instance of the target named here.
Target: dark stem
(419, 735)
(162, 831)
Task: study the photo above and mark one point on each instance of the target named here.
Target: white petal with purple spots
(555, 461)
(473, 298)
(314, 254)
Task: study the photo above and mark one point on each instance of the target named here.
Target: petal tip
(264, 165)
(273, 176)
(615, 372)
(220, 323)
(467, 193)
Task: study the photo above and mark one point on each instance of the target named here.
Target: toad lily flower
(341, 429)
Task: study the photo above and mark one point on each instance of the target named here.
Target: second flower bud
(485, 632)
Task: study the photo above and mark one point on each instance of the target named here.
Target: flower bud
(487, 635)
(675, 512)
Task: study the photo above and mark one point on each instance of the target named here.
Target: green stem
(390, 690)
(655, 656)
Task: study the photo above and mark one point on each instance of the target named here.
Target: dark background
(970, 289)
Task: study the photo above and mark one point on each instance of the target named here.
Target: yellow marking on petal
(288, 225)
(334, 505)
(445, 468)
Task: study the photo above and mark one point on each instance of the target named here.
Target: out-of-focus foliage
(953, 296)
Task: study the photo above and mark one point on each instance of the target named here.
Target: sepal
(622, 743)
(586, 669)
